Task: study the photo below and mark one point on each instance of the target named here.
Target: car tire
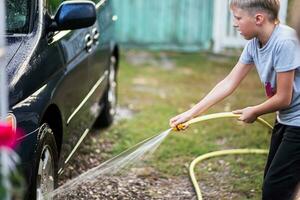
(109, 100)
(44, 179)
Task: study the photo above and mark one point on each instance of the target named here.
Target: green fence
(164, 24)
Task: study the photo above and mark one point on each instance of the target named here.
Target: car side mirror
(73, 15)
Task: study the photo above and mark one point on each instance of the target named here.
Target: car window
(17, 16)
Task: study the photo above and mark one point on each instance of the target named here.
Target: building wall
(164, 24)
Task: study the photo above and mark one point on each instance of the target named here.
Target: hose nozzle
(180, 127)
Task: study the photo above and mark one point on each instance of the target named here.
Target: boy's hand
(248, 115)
(180, 119)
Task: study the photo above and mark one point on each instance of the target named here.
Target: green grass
(156, 94)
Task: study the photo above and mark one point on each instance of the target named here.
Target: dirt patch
(123, 113)
(145, 58)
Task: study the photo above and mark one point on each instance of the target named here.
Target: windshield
(17, 16)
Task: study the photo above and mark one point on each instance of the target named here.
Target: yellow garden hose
(218, 153)
(219, 116)
(215, 154)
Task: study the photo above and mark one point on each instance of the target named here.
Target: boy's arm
(280, 100)
(222, 89)
(218, 93)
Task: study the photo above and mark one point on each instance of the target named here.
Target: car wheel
(44, 178)
(110, 97)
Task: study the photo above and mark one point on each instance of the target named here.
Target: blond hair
(271, 7)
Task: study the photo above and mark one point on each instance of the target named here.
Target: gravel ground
(133, 186)
(138, 183)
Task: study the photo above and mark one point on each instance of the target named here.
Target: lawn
(154, 86)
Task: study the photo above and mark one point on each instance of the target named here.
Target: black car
(62, 66)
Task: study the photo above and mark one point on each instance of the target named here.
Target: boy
(274, 50)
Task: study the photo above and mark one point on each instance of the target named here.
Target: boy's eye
(237, 18)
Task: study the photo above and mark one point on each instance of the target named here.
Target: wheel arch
(52, 116)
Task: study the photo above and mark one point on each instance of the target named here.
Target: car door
(101, 34)
(73, 87)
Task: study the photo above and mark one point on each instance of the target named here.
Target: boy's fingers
(237, 111)
(174, 124)
(174, 119)
(241, 118)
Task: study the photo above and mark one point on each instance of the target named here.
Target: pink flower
(8, 136)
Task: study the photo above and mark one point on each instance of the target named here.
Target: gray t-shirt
(280, 54)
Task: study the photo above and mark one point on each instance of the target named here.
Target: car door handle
(88, 43)
(96, 35)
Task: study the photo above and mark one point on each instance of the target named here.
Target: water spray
(115, 165)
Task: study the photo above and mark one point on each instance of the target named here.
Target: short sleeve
(287, 56)
(246, 56)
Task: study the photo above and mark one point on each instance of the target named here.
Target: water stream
(114, 165)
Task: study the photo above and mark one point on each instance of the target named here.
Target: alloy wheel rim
(45, 178)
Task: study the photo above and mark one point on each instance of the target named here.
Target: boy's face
(244, 23)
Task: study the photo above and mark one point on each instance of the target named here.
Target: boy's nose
(235, 24)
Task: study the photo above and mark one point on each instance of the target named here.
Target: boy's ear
(259, 19)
